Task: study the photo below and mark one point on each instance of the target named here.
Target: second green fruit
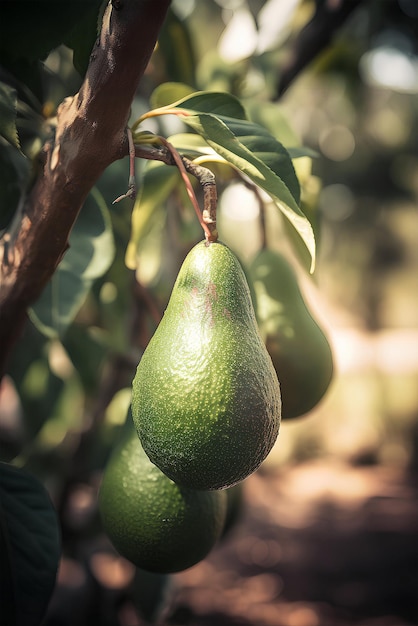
(156, 524)
(299, 349)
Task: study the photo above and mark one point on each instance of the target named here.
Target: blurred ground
(323, 544)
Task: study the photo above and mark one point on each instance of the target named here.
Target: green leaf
(8, 109)
(175, 45)
(249, 147)
(191, 145)
(30, 548)
(167, 93)
(82, 37)
(253, 151)
(31, 29)
(271, 116)
(38, 388)
(90, 254)
(214, 102)
(87, 352)
(14, 174)
(157, 184)
(302, 151)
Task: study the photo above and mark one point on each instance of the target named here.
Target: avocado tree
(86, 265)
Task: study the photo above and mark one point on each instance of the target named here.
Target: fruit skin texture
(153, 522)
(205, 398)
(297, 345)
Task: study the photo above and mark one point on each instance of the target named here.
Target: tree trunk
(90, 135)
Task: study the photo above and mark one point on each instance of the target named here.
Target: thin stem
(131, 160)
(157, 113)
(189, 188)
(152, 153)
(131, 193)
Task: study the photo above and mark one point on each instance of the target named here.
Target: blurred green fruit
(206, 399)
(155, 523)
(297, 345)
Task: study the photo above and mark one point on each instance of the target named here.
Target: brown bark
(90, 135)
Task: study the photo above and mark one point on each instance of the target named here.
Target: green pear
(205, 397)
(299, 349)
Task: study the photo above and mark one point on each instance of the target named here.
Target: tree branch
(315, 37)
(90, 135)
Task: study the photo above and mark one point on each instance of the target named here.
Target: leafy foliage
(8, 104)
(248, 147)
(21, 49)
(81, 318)
(30, 547)
(90, 255)
(94, 314)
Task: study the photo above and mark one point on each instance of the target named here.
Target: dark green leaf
(82, 37)
(221, 120)
(253, 151)
(272, 117)
(38, 388)
(87, 353)
(30, 548)
(14, 172)
(30, 29)
(175, 45)
(166, 93)
(8, 107)
(214, 102)
(90, 255)
(302, 151)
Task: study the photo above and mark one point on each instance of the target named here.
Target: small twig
(167, 153)
(154, 153)
(131, 193)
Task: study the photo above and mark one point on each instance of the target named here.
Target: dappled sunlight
(389, 66)
(310, 133)
(112, 571)
(310, 538)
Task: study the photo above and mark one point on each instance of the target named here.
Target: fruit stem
(207, 181)
(206, 177)
(207, 221)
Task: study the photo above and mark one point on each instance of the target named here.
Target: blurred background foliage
(355, 104)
